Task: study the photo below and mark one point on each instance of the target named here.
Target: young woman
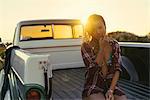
(101, 56)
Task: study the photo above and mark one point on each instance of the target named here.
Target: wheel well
(128, 67)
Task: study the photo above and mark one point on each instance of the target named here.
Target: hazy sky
(123, 15)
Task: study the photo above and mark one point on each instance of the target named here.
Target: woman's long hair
(90, 26)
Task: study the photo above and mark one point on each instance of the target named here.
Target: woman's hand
(105, 47)
(109, 95)
(103, 42)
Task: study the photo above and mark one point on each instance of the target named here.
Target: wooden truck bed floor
(67, 84)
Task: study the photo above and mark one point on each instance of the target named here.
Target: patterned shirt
(93, 79)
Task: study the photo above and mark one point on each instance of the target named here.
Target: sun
(84, 20)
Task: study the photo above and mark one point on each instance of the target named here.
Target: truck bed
(67, 84)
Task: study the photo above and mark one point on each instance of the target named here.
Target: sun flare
(84, 20)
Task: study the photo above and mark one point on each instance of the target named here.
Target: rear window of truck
(36, 32)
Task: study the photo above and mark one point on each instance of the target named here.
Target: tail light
(33, 95)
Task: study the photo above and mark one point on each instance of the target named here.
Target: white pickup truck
(46, 63)
(44, 45)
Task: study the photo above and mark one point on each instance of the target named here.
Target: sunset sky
(123, 15)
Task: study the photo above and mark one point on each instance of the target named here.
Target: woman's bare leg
(97, 96)
(123, 97)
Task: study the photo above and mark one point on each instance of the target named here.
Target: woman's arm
(109, 94)
(114, 80)
(103, 43)
(117, 70)
(116, 64)
(99, 57)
